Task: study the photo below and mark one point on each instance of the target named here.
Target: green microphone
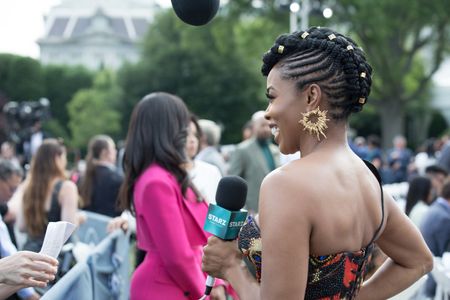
(225, 219)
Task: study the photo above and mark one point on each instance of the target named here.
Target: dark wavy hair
(156, 134)
(96, 146)
(328, 59)
(419, 190)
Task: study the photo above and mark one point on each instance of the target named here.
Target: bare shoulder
(68, 186)
(68, 194)
(296, 175)
(285, 220)
(286, 191)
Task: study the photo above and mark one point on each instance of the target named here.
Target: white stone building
(95, 33)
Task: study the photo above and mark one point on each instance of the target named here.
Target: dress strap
(377, 175)
(54, 214)
(57, 188)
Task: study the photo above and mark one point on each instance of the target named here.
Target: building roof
(127, 27)
(126, 19)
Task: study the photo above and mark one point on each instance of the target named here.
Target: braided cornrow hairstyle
(328, 59)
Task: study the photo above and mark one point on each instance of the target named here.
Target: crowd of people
(169, 168)
(399, 163)
(426, 200)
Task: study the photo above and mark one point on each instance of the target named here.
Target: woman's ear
(314, 95)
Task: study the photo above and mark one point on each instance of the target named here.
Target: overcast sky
(21, 24)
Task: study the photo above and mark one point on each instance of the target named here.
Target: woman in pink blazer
(169, 213)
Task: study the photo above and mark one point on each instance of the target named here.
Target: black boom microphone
(195, 12)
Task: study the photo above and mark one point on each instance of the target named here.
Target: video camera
(22, 116)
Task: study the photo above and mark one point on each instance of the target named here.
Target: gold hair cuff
(362, 100)
(280, 49)
(363, 75)
(350, 47)
(331, 36)
(304, 35)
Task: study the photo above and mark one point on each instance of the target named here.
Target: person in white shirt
(205, 176)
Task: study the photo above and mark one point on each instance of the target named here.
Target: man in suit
(254, 158)
(399, 158)
(435, 229)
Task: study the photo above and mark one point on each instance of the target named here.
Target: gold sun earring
(315, 122)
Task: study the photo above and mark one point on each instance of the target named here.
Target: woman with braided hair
(320, 216)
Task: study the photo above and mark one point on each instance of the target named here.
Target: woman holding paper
(25, 269)
(48, 196)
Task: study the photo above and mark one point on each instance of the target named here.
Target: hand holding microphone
(219, 256)
(224, 220)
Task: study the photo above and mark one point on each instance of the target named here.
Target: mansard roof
(126, 20)
(127, 27)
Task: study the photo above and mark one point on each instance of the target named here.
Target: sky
(22, 23)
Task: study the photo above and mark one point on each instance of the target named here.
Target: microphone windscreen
(195, 12)
(231, 193)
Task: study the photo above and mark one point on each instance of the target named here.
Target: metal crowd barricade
(109, 265)
(93, 230)
(75, 285)
(104, 274)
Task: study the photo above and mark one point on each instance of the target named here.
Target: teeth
(274, 130)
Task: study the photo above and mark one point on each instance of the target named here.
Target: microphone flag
(223, 223)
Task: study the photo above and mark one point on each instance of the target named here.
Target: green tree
(21, 78)
(61, 84)
(24, 79)
(132, 80)
(203, 65)
(254, 36)
(438, 125)
(405, 42)
(398, 35)
(95, 110)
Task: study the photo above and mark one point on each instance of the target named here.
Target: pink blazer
(170, 230)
